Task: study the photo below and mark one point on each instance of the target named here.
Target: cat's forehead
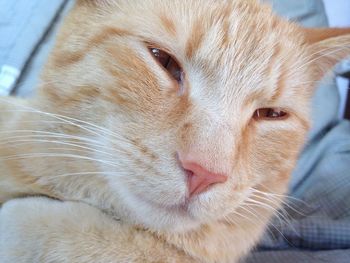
(218, 40)
(211, 25)
(227, 49)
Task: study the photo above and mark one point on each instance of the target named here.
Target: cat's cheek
(279, 148)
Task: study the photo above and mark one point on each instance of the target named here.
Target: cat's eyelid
(150, 45)
(170, 64)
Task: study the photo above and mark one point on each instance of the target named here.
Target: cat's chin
(177, 218)
(173, 218)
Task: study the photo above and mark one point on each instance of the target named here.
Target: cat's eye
(270, 114)
(169, 64)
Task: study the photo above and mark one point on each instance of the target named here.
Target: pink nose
(199, 178)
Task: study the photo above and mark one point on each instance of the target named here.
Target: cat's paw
(41, 230)
(32, 229)
(20, 236)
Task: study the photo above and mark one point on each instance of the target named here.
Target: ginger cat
(163, 131)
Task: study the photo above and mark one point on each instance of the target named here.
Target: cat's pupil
(162, 57)
(273, 114)
(169, 64)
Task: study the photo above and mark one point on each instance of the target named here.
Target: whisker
(280, 195)
(54, 155)
(65, 119)
(252, 202)
(246, 209)
(278, 215)
(325, 52)
(84, 125)
(38, 134)
(27, 142)
(284, 203)
(84, 173)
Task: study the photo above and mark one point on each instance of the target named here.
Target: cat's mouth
(179, 208)
(182, 208)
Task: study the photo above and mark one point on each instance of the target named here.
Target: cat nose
(199, 178)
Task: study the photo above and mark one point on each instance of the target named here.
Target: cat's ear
(327, 47)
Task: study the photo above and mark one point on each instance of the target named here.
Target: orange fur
(108, 121)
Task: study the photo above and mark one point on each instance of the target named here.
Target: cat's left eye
(169, 64)
(270, 114)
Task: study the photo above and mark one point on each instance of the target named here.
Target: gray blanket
(26, 29)
(319, 223)
(317, 227)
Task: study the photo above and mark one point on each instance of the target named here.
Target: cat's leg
(43, 230)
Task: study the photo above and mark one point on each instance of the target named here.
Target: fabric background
(318, 227)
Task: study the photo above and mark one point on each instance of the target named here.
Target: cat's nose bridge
(211, 146)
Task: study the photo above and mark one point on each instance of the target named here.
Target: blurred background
(27, 33)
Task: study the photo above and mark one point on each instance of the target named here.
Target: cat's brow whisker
(335, 48)
(323, 52)
(311, 56)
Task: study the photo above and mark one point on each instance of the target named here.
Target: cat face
(181, 89)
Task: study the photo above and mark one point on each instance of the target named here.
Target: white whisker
(84, 174)
(51, 135)
(26, 142)
(55, 155)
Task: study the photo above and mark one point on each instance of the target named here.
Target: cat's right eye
(169, 64)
